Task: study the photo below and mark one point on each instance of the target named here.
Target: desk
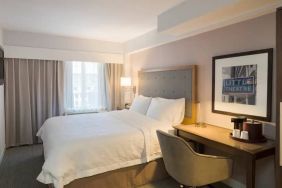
(219, 138)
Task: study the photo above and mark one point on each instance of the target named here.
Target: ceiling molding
(62, 55)
(191, 10)
(39, 40)
(244, 10)
(143, 42)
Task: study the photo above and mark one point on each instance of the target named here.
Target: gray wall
(2, 114)
(1, 37)
(253, 34)
(2, 123)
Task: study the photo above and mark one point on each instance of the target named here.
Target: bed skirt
(128, 177)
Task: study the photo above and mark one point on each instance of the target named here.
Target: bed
(118, 148)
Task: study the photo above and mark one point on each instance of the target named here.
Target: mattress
(84, 145)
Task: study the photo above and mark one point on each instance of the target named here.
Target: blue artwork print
(239, 84)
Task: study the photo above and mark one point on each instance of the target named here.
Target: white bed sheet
(79, 146)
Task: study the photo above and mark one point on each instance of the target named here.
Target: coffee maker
(238, 122)
(251, 129)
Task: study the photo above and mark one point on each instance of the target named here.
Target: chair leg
(183, 186)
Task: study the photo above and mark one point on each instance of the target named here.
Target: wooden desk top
(222, 136)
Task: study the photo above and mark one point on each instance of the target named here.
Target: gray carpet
(21, 166)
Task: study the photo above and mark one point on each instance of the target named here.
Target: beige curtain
(113, 73)
(34, 92)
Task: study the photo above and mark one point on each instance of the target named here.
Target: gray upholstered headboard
(171, 83)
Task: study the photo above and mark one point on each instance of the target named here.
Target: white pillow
(141, 104)
(168, 110)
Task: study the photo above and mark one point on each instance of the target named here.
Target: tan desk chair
(188, 167)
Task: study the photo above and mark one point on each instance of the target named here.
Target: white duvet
(84, 145)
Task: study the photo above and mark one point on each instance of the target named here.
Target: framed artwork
(242, 84)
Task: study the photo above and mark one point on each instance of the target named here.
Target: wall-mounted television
(1, 66)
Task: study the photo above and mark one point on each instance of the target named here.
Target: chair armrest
(212, 156)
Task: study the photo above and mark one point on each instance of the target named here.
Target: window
(85, 89)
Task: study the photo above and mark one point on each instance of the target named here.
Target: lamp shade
(125, 81)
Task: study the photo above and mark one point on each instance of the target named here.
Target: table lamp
(127, 84)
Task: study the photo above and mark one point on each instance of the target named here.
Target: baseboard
(234, 183)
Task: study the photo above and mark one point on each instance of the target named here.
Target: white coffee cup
(236, 133)
(244, 135)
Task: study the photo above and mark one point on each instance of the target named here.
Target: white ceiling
(108, 20)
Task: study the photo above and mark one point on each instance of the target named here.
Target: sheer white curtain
(85, 87)
(113, 73)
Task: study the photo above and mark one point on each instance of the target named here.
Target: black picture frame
(269, 71)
